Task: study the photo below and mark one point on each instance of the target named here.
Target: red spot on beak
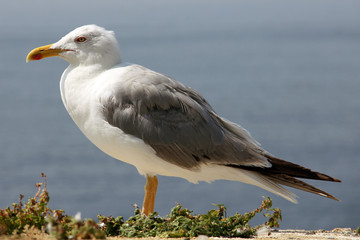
(37, 56)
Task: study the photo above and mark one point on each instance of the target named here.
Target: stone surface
(337, 233)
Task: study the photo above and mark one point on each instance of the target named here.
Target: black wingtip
(336, 180)
(329, 196)
(295, 170)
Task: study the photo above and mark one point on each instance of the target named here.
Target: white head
(86, 45)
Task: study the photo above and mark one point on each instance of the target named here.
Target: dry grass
(28, 234)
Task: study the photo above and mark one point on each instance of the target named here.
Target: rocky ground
(337, 233)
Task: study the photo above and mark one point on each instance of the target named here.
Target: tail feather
(286, 173)
(298, 184)
(280, 166)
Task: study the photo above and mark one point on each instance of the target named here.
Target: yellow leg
(150, 193)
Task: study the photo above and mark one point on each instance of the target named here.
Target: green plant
(181, 222)
(32, 214)
(36, 214)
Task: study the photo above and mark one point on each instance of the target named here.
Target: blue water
(288, 71)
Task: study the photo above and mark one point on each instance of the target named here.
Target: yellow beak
(44, 52)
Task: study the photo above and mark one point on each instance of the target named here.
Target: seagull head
(86, 45)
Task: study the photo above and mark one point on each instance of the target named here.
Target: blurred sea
(288, 71)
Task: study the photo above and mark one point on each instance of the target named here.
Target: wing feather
(178, 123)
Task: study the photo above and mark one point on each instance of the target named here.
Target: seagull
(160, 125)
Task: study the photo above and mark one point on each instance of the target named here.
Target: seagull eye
(80, 39)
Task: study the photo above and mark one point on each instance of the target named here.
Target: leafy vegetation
(180, 222)
(36, 214)
(183, 223)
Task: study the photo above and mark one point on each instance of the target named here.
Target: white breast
(82, 99)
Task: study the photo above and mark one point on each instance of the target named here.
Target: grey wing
(179, 124)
